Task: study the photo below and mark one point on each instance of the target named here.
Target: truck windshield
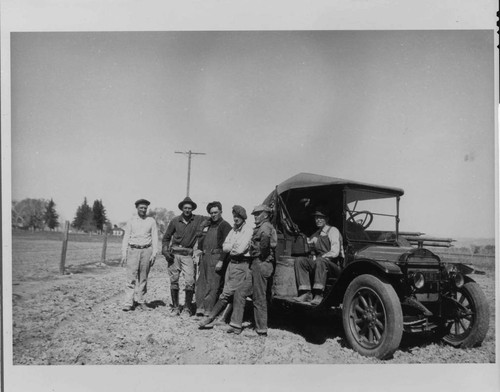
(370, 216)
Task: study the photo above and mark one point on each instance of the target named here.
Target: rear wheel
(372, 317)
(470, 323)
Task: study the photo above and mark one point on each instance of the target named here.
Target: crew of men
(234, 263)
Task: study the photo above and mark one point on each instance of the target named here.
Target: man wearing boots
(139, 249)
(237, 244)
(327, 255)
(264, 241)
(211, 266)
(177, 247)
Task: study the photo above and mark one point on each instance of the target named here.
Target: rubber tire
(479, 326)
(392, 315)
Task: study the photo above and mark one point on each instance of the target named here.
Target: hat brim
(192, 203)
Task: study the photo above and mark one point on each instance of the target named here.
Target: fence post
(104, 246)
(64, 248)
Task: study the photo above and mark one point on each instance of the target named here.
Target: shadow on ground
(317, 328)
(156, 303)
(314, 328)
(414, 340)
(91, 268)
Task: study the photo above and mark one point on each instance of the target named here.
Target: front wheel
(372, 317)
(470, 323)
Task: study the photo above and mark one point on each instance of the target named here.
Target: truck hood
(382, 253)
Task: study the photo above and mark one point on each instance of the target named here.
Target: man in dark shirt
(177, 247)
(237, 244)
(211, 266)
(263, 244)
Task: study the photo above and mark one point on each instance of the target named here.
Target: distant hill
(468, 242)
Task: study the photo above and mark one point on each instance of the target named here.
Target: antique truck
(386, 285)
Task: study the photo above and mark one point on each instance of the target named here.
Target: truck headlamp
(418, 280)
(458, 279)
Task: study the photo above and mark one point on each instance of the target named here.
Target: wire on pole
(189, 154)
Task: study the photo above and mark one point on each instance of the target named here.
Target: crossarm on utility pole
(189, 154)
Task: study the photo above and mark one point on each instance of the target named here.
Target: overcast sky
(100, 115)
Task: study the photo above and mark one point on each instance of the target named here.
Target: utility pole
(189, 154)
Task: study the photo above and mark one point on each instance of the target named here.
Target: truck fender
(385, 270)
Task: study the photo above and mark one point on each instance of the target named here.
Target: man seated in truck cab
(327, 254)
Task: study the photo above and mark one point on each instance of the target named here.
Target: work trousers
(181, 264)
(256, 285)
(138, 266)
(236, 274)
(316, 270)
(208, 284)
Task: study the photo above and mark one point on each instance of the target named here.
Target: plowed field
(77, 319)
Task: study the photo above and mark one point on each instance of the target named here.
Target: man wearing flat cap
(177, 247)
(211, 267)
(327, 255)
(263, 244)
(139, 249)
(237, 244)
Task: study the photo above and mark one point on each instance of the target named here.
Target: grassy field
(485, 263)
(36, 255)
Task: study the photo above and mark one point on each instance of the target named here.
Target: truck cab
(388, 282)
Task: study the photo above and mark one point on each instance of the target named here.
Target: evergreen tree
(84, 219)
(78, 219)
(51, 217)
(99, 215)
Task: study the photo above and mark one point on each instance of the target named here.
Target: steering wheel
(365, 221)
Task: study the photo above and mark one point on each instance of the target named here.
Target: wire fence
(36, 255)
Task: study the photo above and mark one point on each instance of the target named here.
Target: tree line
(36, 214)
(40, 214)
(89, 219)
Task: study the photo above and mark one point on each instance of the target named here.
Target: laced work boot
(174, 293)
(306, 297)
(208, 323)
(188, 303)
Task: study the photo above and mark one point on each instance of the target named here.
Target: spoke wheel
(469, 326)
(368, 317)
(372, 317)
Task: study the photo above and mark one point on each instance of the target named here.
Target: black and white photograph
(272, 198)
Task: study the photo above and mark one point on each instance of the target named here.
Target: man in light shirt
(237, 244)
(264, 241)
(327, 255)
(139, 249)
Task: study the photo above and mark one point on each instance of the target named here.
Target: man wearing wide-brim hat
(327, 255)
(177, 247)
(139, 249)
